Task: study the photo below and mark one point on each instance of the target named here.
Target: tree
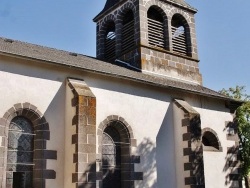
(242, 118)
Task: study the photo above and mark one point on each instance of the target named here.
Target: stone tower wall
(116, 15)
(166, 62)
(150, 59)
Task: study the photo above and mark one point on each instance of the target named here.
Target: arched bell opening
(156, 29)
(110, 42)
(180, 35)
(128, 31)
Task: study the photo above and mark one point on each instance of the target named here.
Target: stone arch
(161, 7)
(127, 161)
(104, 24)
(210, 140)
(41, 135)
(185, 15)
(124, 127)
(122, 11)
(153, 3)
(163, 36)
(110, 17)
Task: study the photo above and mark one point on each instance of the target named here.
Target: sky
(222, 32)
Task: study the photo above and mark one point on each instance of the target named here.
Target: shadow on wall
(110, 177)
(147, 150)
(197, 154)
(229, 166)
(165, 152)
(87, 181)
(232, 164)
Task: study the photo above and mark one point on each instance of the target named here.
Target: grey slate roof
(111, 3)
(182, 2)
(82, 62)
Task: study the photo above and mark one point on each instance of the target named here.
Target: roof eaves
(91, 64)
(126, 77)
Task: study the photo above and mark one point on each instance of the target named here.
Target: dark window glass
(111, 158)
(20, 152)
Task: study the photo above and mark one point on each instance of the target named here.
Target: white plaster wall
(214, 115)
(22, 82)
(166, 160)
(146, 111)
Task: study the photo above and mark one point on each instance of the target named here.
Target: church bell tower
(155, 37)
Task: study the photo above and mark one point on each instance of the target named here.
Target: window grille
(155, 28)
(128, 31)
(20, 152)
(179, 40)
(111, 158)
(110, 42)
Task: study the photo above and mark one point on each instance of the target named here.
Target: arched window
(179, 34)
(155, 28)
(115, 144)
(210, 141)
(20, 153)
(111, 158)
(27, 153)
(110, 41)
(128, 31)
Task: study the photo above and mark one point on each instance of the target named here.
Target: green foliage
(242, 119)
(237, 93)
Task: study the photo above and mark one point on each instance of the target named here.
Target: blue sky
(222, 32)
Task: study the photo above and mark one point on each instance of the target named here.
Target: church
(134, 116)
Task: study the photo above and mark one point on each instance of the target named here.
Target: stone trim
(129, 176)
(193, 153)
(84, 137)
(192, 146)
(126, 7)
(217, 141)
(42, 134)
(113, 118)
(189, 110)
(233, 164)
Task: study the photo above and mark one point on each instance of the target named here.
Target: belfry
(154, 37)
